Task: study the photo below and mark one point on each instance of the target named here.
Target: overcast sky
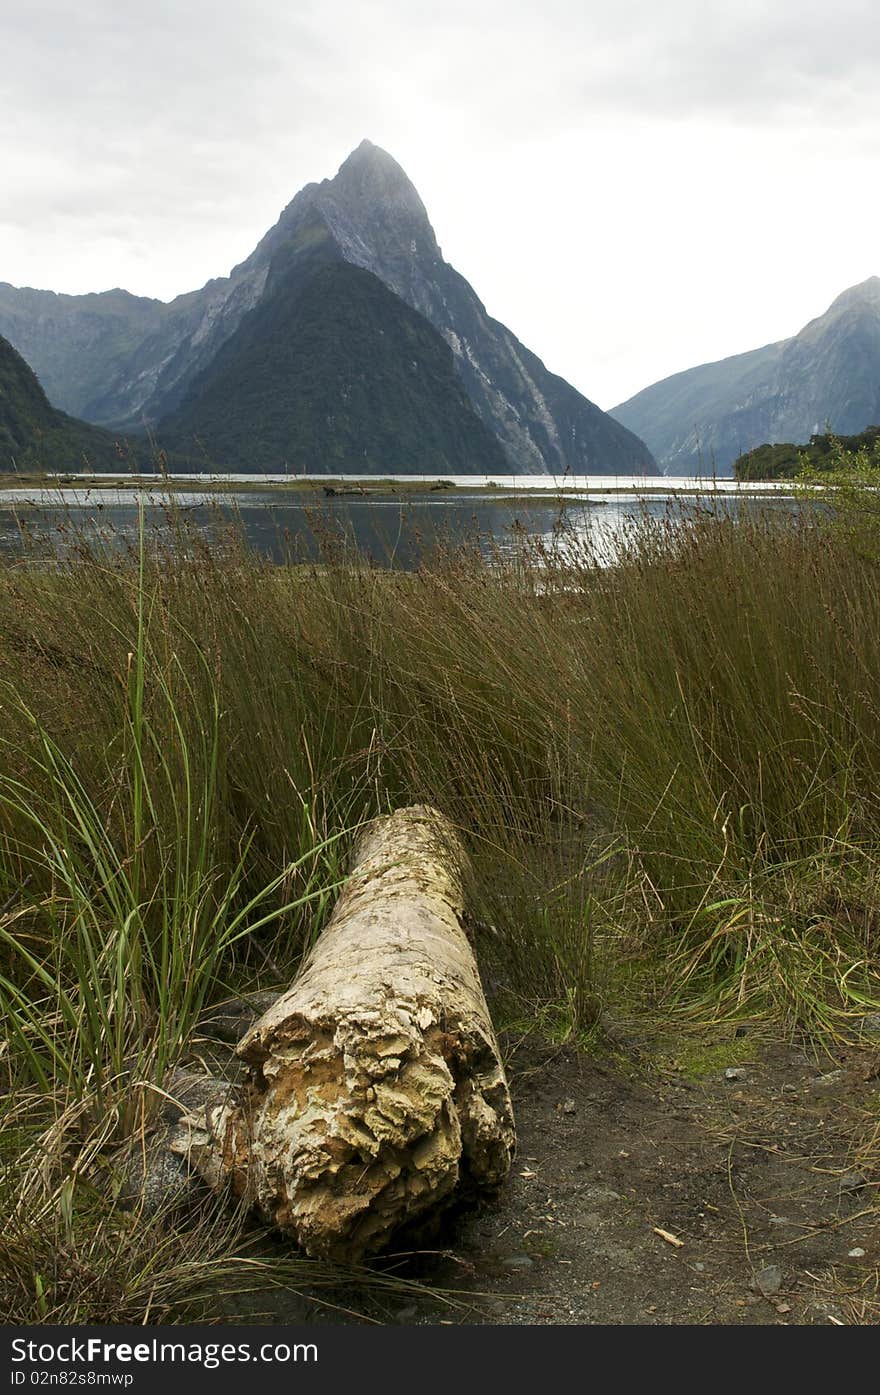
(633, 187)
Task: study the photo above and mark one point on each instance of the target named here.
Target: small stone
(735, 1073)
(852, 1182)
(603, 1194)
(517, 1262)
(828, 1080)
(768, 1280)
(408, 1313)
(700, 1268)
(871, 1024)
(153, 1179)
(857, 1253)
(790, 1091)
(569, 1107)
(190, 1092)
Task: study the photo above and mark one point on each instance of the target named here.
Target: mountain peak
(370, 172)
(865, 293)
(368, 151)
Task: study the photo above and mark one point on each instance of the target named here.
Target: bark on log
(375, 1087)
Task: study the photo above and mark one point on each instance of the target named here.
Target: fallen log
(375, 1089)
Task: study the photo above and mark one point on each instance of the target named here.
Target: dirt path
(753, 1177)
(649, 1196)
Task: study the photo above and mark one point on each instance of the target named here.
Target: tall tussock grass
(669, 755)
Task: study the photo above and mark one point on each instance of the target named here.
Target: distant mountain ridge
(35, 436)
(826, 375)
(125, 361)
(75, 341)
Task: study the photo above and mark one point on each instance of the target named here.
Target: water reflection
(304, 526)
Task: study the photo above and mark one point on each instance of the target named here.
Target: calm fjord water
(392, 528)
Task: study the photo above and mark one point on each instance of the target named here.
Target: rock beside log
(375, 1088)
(151, 1171)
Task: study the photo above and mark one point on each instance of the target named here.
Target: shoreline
(345, 487)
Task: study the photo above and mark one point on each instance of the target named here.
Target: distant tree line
(823, 453)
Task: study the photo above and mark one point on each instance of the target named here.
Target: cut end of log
(376, 1089)
(353, 1132)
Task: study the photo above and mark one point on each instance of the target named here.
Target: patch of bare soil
(649, 1196)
